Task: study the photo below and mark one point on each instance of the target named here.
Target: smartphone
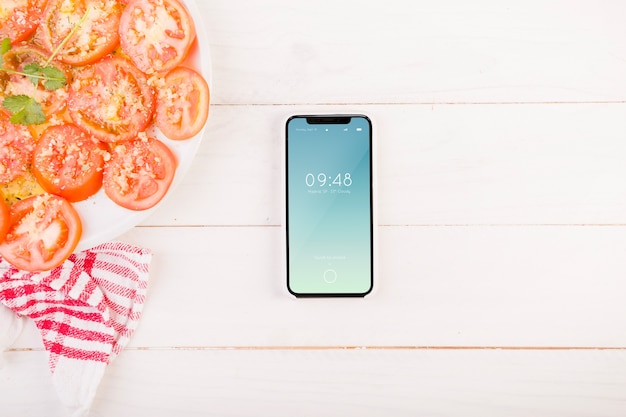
(329, 205)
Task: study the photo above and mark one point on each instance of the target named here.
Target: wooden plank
(436, 286)
(443, 164)
(280, 51)
(336, 383)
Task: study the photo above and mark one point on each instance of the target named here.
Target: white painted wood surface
(501, 130)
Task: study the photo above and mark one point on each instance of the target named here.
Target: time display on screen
(324, 180)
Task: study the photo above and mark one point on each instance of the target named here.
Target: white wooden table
(501, 288)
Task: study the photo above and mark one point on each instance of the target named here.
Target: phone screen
(329, 205)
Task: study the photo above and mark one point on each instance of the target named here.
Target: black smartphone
(329, 205)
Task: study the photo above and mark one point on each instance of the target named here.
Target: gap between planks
(421, 103)
(388, 225)
(373, 348)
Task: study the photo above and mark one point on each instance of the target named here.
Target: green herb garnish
(5, 46)
(51, 77)
(24, 109)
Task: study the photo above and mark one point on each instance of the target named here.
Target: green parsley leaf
(5, 46)
(52, 77)
(55, 78)
(32, 71)
(25, 110)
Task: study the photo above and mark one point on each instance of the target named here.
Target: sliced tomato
(68, 162)
(111, 100)
(4, 218)
(182, 104)
(139, 173)
(156, 34)
(52, 101)
(95, 23)
(43, 231)
(19, 18)
(16, 149)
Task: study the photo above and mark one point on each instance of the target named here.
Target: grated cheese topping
(152, 24)
(134, 165)
(87, 37)
(40, 226)
(8, 7)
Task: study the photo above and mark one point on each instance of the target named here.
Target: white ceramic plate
(102, 219)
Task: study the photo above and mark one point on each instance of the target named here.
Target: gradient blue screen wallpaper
(329, 201)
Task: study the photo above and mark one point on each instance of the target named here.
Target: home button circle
(330, 276)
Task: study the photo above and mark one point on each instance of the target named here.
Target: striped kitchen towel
(86, 311)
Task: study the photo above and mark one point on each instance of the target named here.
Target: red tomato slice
(156, 34)
(16, 59)
(44, 230)
(68, 162)
(16, 149)
(4, 218)
(19, 18)
(182, 104)
(139, 173)
(95, 37)
(111, 100)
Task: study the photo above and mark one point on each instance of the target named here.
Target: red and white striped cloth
(86, 310)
